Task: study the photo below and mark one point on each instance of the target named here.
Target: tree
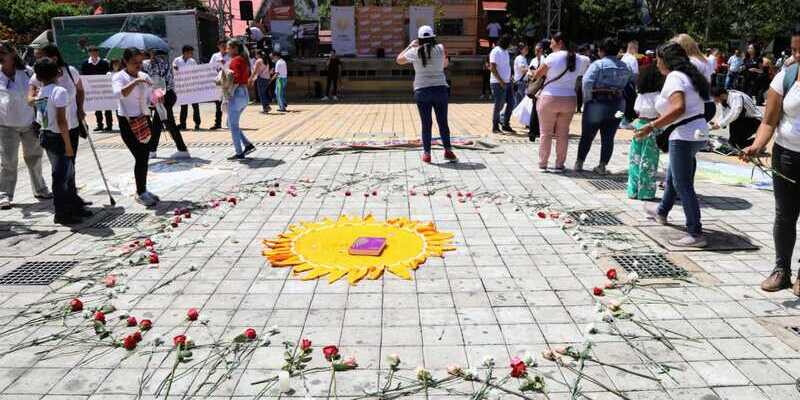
(28, 17)
(127, 6)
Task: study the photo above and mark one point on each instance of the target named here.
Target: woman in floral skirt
(643, 155)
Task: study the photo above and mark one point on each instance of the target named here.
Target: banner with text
(195, 84)
(418, 16)
(98, 95)
(343, 30)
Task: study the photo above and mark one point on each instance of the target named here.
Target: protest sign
(195, 84)
(98, 95)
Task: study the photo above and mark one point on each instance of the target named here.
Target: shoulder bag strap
(790, 77)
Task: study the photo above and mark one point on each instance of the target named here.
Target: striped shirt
(738, 102)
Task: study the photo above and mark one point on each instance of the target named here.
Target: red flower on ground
(518, 368)
(187, 215)
(330, 352)
(272, 193)
(153, 258)
(250, 333)
(76, 305)
(192, 314)
(611, 274)
(129, 343)
(145, 324)
(138, 336)
(149, 243)
(305, 344)
(110, 280)
(541, 214)
(597, 291)
(233, 200)
(131, 321)
(374, 192)
(347, 193)
(179, 340)
(100, 317)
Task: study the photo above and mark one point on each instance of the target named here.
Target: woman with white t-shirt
(782, 120)
(133, 88)
(702, 64)
(681, 116)
(557, 101)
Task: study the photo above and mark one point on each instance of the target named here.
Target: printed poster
(98, 95)
(343, 30)
(196, 84)
(418, 16)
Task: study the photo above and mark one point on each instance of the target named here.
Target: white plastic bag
(522, 112)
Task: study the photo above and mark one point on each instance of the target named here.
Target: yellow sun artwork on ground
(321, 249)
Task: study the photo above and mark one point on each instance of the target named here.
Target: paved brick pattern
(516, 283)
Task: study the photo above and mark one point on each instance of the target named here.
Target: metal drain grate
(650, 266)
(596, 218)
(794, 329)
(124, 220)
(37, 272)
(608, 184)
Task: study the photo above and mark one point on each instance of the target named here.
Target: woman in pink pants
(557, 100)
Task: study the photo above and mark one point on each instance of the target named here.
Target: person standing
(782, 121)
(493, 31)
(604, 88)
(281, 78)
(740, 113)
(556, 103)
(52, 105)
(735, 67)
(644, 154)
(500, 83)
(583, 61)
(186, 59)
(753, 72)
(520, 72)
(631, 59)
(334, 67)
(98, 66)
(701, 63)
(681, 115)
(297, 36)
(160, 71)
(133, 88)
(260, 79)
(219, 60)
(240, 69)
(430, 88)
(536, 62)
(16, 127)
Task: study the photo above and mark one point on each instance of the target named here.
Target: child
(644, 154)
(52, 103)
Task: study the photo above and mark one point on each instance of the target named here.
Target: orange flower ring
(322, 248)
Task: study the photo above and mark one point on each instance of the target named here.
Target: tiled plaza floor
(516, 283)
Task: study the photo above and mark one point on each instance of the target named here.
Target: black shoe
(215, 127)
(532, 136)
(182, 127)
(67, 219)
(84, 203)
(84, 213)
(99, 128)
(249, 149)
(108, 129)
(196, 128)
(496, 130)
(237, 157)
(507, 128)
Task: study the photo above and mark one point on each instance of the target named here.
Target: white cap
(425, 31)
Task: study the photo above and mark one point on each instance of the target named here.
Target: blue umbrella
(141, 41)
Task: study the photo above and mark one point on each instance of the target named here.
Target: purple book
(368, 246)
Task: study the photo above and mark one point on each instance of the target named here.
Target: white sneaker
(153, 154)
(146, 199)
(181, 154)
(325, 98)
(335, 98)
(5, 203)
(543, 169)
(652, 213)
(690, 241)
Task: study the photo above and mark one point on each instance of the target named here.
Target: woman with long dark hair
(133, 89)
(240, 69)
(753, 74)
(557, 101)
(681, 116)
(430, 87)
(16, 128)
(261, 78)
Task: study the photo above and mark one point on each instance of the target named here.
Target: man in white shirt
(520, 72)
(630, 57)
(493, 31)
(219, 60)
(281, 77)
(739, 113)
(186, 60)
(500, 83)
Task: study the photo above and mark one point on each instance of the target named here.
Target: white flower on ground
(471, 373)
(393, 360)
(583, 217)
(529, 359)
(423, 374)
(633, 276)
(488, 361)
(284, 385)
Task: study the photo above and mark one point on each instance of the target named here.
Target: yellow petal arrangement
(321, 249)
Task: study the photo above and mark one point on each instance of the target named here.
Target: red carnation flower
(187, 215)
(347, 193)
(138, 336)
(330, 352)
(305, 344)
(374, 192)
(192, 314)
(129, 343)
(179, 340)
(518, 368)
(110, 281)
(100, 317)
(145, 324)
(541, 214)
(611, 274)
(149, 243)
(232, 200)
(131, 321)
(250, 333)
(597, 291)
(76, 305)
(272, 193)
(153, 258)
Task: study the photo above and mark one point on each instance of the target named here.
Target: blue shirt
(606, 73)
(735, 64)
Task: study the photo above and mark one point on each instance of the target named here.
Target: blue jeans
(65, 194)
(599, 115)
(680, 181)
(280, 93)
(730, 80)
(502, 95)
(236, 105)
(262, 85)
(519, 91)
(435, 99)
